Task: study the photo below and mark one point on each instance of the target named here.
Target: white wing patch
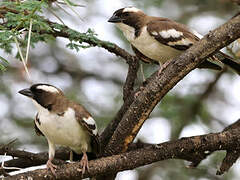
(91, 121)
(154, 33)
(48, 88)
(170, 33)
(131, 9)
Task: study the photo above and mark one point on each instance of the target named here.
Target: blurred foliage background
(203, 102)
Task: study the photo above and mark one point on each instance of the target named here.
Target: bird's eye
(126, 14)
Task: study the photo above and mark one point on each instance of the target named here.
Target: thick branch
(157, 86)
(24, 159)
(191, 149)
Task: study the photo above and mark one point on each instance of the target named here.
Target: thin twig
(49, 9)
(75, 12)
(29, 40)
(23, 61)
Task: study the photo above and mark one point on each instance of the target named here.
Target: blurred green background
(95, 77)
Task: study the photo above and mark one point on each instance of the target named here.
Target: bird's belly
(154, 50)
(64, 130)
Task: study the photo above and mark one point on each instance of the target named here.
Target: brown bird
(63, 122)
(157, 39)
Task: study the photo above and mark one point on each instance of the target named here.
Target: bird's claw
(163, 66)
(84, 163)
(51, 166)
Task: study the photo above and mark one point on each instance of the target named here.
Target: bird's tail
(229, 61)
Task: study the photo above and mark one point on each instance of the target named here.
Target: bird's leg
(84, 162)
(161, 67)
(51, 153)
(71, 156)
(137, 93)
(142, 72)
(141, 87)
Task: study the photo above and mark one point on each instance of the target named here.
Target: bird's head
(130, 16)
(44, 95)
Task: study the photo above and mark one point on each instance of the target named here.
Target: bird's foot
(163, 66)
(137, 93)
(84, 163)
(160, 70)
(51, 166)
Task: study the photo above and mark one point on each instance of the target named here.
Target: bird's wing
(171, 33)
(86, 120)
(37, 130)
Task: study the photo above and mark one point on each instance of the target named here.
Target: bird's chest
(62, 129)
(148, 45)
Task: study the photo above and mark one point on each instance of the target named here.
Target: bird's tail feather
(209, 65)
(229, 61)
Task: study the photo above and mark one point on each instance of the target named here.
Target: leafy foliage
(16, 22)
(3, 63)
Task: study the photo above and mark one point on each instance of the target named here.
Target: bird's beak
(115, 19)
(26, 92)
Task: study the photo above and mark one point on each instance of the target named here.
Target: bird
(158, 39)
(63, 122)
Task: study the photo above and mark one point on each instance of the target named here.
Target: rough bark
(193, 149)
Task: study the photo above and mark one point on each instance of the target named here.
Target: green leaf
(3, 64)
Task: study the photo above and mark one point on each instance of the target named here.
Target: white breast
(63, 130)
(148, 45)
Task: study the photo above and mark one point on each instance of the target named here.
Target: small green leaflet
(3, 63)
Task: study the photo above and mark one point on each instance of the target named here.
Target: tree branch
(192, 149)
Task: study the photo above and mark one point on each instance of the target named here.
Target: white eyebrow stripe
(48, 88)
(131, 9)
(170, 33)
